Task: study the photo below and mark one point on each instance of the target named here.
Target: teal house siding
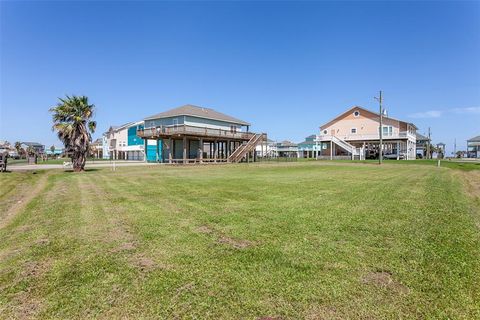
(193, 149)
(178, 149)
(133, 139)
(151, 152)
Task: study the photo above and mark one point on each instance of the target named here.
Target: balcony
(403, 135)
(192, 131)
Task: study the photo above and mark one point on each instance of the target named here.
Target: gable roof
(196, 111)
(309, 140)
(421, 137)
(362, 108)
(123, 126)
(286, 143)
(33, 144)
(474, 139)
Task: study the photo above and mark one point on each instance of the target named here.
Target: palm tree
(18, 147)
(72, 121)
(52, 149)
(31, 151)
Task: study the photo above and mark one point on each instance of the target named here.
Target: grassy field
(306, 240)
(461, 164)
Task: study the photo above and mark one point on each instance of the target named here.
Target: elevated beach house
(122, 143)
(286, 149)
(422, 146)
(310, 148)
(355, 134)
(190, 134)
(473, 147)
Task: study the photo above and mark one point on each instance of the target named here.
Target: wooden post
(331, 150)
(158, 152)
(169, 150)
(215, 150)
(200, 150)
(184, 149)
(145, 150)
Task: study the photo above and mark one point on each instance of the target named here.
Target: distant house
(355, 134)
(441, 150)
(422, 146)
(96, 148)
(123, 143)
(473, 147)
(266, 148)
(287, 149)
(38, 147)
(56, 152)
(196, 134)
(310, 148)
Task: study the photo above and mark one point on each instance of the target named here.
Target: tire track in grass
(471, 185)
(23, 202)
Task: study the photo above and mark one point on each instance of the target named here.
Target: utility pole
(428, 144)
(380, 151)
(455, 148)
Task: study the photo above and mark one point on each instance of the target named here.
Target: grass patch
(310, 240)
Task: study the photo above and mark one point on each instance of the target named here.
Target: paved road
(89, 164)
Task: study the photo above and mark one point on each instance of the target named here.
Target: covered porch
(399, 149)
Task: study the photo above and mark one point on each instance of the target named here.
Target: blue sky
(286, 67)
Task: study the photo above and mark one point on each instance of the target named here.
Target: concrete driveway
(89, 164)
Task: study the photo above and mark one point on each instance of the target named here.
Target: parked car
(401, 156)
(371, 154)
(14, 155)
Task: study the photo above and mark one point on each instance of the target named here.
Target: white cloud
(470, 110)
(427, 114)
(439, 113)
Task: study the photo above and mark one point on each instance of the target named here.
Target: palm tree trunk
(79, 162)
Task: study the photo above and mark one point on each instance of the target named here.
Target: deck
(192, 131)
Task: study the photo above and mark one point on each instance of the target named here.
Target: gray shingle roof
(474, 139)
(287, 143)
(33, 144)
(195, 111)
(421, 137)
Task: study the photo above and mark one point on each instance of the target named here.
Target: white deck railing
(353, 137)
(183, 129)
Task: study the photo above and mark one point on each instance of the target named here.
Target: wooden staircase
(246, 147)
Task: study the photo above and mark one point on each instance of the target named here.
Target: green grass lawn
(461, 164)
(306, 240)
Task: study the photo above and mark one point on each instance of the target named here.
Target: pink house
(354, 134)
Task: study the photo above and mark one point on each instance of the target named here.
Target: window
(353, 130)
(356, 113)
(387, 131)
(325, 131)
